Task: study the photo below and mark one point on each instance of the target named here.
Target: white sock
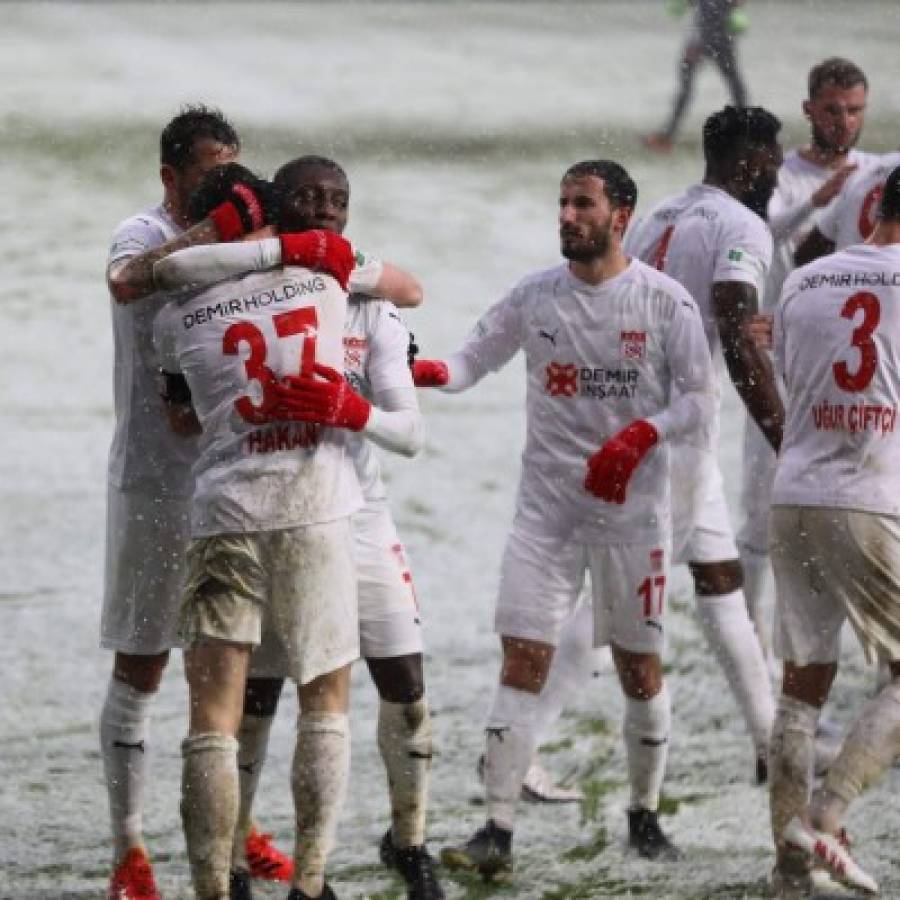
(731, 636)
(509, 747)
(319, 776)
(646, 730)
(756, 568)
(124, 724)
(871, 746)
(209, 802)
(253, 743)
(404, 739)
(791, 761)
(575, 662)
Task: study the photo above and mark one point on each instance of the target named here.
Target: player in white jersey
(376, 347)
(836, 531)
(149, 486)
(809, 181)
(617, 365)
(270, 559)
(713, 241)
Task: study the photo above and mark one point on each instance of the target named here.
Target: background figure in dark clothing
(712, 35)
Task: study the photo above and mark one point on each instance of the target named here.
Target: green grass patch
(589, 851)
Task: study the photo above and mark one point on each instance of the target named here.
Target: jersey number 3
(297, 321)
(861, 339)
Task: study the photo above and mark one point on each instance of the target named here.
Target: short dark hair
(288, 172)
(618, 185)
(730, 131)
(194, 123)
(837, 71)
(216, 187)
(889, 208)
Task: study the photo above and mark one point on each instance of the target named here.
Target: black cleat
(645, 835)
(416, 866)
(239, 885)
(488, 851)
(762, 767)
(297, 894)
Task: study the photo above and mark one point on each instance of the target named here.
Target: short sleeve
(366, 272)
(135, 236)
(744, 252)
(387, 365)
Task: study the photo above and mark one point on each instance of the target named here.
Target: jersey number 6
(297, 321)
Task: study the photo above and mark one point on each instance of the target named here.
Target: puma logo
(652, 623)
(548, 335)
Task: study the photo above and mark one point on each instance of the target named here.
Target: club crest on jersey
(562, 380)
(633, 344)
(354, 350)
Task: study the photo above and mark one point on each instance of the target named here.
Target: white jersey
(144, 454)
(597, 358)
(837, 344)
(376, 347)
(701, 237)
(850, 219)
(230, 341)
(792, 216)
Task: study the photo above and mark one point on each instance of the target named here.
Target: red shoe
(133, 878)
(265, 860)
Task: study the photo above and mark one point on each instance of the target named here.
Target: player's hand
(833, 186)
(430, 373)
(326, 400)
(760, 330)
(611, 467)
(320, 250)
(249, 207)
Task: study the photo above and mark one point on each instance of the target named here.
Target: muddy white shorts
(542, 576)
(290, 593)
(146, 541)
(832, 565)
(389, 622)
(701, 526)
(758, 475)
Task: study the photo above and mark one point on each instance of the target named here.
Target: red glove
(247, 210)
(611, 467)
(322, 251)
(430, 373)
(304, 398)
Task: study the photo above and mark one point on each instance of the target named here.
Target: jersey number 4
(298, 321)
(861, 340)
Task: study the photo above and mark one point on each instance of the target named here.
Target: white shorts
(701, 527)
(758, 475)
(290, 593)
(389, 622)
(831, 565)
(146, 540)
(542, 576)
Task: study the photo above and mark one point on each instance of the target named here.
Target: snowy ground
(455, 121)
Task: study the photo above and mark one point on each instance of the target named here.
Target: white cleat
(827, 850)
(540, 786)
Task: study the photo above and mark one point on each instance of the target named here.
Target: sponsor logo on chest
(599, 382)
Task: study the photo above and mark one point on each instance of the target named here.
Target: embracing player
(836, 534)
(628, 370)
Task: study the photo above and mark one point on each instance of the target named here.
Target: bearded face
(585, 219)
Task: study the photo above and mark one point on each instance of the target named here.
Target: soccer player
(376, 348)
(617, 365)
(711, 35)
(836, 533)
(852, 217)
(270, 559)
(149, 486)
(809, 180)
(713, 240)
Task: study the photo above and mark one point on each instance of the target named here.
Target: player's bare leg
(216, 672)
(509, 745)
(404, 741)
(646, 731)
(722, 611)
(319, 775)
(124, 728)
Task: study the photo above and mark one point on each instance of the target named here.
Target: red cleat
(133, 878)
(265, 860)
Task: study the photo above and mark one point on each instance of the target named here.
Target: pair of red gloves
(608, 470)
(248, 210)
